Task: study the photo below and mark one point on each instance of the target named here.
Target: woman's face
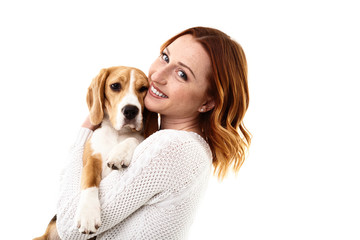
(178, 80)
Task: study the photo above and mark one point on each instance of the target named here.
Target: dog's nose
(130, 111)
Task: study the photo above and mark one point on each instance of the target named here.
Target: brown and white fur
(116, 101)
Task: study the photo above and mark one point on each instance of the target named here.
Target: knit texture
(156, 197)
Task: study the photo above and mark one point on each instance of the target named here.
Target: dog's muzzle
(130, 111)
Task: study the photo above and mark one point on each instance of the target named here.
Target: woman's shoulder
(177, 143)
(173, 138)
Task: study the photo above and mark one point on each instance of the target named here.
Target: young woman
(199, 87)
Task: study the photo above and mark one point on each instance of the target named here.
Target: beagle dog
(116, 101)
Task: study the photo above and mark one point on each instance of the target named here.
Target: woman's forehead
(187, 50)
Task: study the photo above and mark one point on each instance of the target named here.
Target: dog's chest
(104, 140)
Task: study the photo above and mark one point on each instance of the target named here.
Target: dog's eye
(143, 89)
(115, 86)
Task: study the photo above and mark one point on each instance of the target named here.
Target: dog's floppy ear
(95, 97)
(150, 122)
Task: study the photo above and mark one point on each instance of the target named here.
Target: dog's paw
(87, 217)
(88, 221)
(118, 162)
(120, 156)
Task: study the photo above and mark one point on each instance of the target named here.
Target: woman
(198, 85)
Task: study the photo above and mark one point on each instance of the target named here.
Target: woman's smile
(155, 92)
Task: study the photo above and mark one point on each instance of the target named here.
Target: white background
(301, 179)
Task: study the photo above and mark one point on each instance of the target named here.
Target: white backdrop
(301, 179)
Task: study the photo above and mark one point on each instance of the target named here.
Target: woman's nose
(160, 75)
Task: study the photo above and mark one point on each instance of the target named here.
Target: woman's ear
(95, 97)
(207, 106)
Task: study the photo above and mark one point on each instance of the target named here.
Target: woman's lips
(156, 92)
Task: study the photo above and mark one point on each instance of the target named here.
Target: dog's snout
(130, 111)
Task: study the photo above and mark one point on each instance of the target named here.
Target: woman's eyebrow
(181, 64)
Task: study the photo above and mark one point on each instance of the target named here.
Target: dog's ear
(150, 122)
(95, 97)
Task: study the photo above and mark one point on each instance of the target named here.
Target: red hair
(223, 126)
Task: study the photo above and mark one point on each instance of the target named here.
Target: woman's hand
(87, 124)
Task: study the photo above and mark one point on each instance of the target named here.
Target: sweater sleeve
(74, 164)
(152, 171)
(70, 177)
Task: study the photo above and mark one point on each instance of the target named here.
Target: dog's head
(118, 92)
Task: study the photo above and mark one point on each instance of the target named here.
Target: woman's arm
(70, 179)
(70, 176)
(121, 192)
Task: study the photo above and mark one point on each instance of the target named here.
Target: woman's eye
(182, 75)
(115, 86)
(165, 57)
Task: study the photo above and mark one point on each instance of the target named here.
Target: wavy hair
(223, 126)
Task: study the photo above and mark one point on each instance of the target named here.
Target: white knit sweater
(154, 198)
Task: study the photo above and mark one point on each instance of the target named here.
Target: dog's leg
(121, 155)
(51, 231)
(88, 212)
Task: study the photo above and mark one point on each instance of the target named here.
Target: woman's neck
(184, 124)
